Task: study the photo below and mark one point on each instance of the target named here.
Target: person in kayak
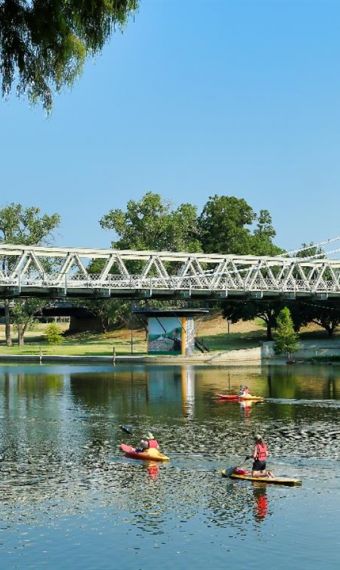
(260, 455)
(148, 442)
(244, 391)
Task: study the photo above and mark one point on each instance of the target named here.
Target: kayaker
(148, 442)
(260, 455)
(151, 441)
(244, 391)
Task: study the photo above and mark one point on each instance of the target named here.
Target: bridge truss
(78, 272)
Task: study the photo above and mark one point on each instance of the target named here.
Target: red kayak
(237, 398)
(146, 455)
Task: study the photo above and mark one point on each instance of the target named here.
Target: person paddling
(148, 442)
(260, 455)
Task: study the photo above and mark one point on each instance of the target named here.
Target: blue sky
(195, 98)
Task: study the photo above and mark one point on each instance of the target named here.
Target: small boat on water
(244, 475)
(238, 398)
(146, 455)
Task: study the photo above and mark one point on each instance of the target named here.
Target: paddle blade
(227, 472)
(127, 429)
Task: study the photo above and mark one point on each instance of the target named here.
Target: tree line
(226, 225)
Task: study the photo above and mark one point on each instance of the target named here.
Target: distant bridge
(55, 272)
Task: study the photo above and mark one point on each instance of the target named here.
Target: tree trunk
(103, 322)
(269, 330)
(330, 330)
(8, 328)
(21, 332)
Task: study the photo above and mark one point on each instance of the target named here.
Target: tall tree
(226, 225)
(23, 314)
(310, 250)
(26, 226)
(146, 224)
(286, 339)
(325, 314)
(247, 310)
(223, 225)
(151, 223)
(263, 235)
(44, 43)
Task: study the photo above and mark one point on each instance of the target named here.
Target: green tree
(23, 314)
(54, 334)
(223, 225)
(146, 224)
(286, 339)
(263, 235)
(310, 250)
(226, 225)
(248, 310)
(44, 43)
(24, 226)
(325, 314)
(110, 312)
(151, 223)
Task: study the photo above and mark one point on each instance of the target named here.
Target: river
(70, 499)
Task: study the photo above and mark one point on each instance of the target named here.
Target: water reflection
(188, 391)
(261, 501)
(61, 426)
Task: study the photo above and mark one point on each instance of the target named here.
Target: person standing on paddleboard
(260, 455)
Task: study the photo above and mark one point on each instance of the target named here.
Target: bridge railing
(26, 269)
(136, 282)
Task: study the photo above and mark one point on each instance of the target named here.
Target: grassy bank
(83, 344)
(212, 330)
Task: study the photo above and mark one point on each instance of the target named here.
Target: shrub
(286, 339)
(54, 334)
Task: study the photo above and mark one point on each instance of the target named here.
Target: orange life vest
(153, 443)
(261, 452)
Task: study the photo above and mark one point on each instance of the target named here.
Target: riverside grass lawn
(213, 330)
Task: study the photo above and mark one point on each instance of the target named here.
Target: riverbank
(244, 344)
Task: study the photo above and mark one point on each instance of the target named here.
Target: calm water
(69, 499)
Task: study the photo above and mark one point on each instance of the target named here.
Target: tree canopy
(20, 225)
(226, 227)
(267, 311)
(26, 226)
(151, 223)
(44, 43)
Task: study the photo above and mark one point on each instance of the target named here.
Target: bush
(54, 334)
(286, 339)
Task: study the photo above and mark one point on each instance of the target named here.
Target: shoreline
(148, 359)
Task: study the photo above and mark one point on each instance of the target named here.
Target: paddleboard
(272, 480)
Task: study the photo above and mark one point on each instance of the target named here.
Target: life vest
(261, 452)
(153, 444)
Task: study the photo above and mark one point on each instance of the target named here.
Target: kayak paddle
(127, 429)
(228, 472)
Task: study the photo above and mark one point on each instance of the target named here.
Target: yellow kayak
(146, 455)
(237, 398)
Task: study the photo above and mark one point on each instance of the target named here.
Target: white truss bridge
(68, 272)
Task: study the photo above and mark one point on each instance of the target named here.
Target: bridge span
(57, 272)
